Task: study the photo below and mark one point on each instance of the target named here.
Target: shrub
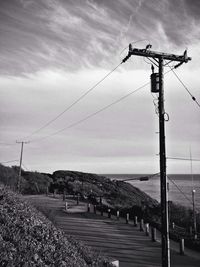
(36, 183)
(27, 238)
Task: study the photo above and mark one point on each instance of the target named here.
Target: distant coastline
(177, 183)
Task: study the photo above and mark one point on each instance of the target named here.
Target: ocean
(180, 187)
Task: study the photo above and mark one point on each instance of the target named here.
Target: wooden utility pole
(20, 165)
(163, 176)
(194, 214)
(158, 59)
(193, 199)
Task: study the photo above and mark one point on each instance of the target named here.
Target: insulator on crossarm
(126, 58)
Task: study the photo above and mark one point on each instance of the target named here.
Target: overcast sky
(53, 51)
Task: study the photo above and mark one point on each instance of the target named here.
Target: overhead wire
(186, 197)
(79, 99)
(9, 161)
(179, 158)
(186, 88)
(74, 103)
(172, 181)
(25, 167)
(7, 144)
(93, 114)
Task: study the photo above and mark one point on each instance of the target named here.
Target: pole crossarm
(24, 142)
(153, 54)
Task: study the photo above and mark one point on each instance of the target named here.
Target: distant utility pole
(194, 214)
(20, 166)
(157, 59)
(193, 199)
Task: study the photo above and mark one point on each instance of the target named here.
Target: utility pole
(193, 199)
(20, 166)
(157, 58)
(194, 214)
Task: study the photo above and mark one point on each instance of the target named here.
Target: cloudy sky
(53, 51)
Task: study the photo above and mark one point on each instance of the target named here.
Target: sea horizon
(180, 186)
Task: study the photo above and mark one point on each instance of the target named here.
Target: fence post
(54, 193)
(182, 252)
(47, 191)
(127, 218)
(109, 213)
(153, 234)
(95, 209)
(64, 194)
(141, 225)
(88, 208)
(118, 215)
(77, 200)
(147, 229)
(135, 221)
(190, 230)
(101, 211)
(66, 205)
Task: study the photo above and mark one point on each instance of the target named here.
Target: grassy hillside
(27, 238)
(116, 194)
(31, 182)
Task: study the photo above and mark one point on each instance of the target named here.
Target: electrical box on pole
(157, 87)
(155, 82)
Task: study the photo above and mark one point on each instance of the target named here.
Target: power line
(177, 158)
(74, 103)
(9, 161)
(171, 180)
(186, 88)
(7, 144)
(179, 189)
(94, 113)
(25, 167)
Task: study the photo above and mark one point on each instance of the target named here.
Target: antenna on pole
(157, 87)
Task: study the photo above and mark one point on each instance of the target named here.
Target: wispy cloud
(36, 35)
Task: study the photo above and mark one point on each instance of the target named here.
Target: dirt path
(113, 238)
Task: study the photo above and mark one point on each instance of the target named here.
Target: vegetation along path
(110, 237)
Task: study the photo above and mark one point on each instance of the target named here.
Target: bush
(27, 238)
(8, 177)
(35, 183)
(30, 183)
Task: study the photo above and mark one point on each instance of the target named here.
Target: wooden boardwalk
(110, 237)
